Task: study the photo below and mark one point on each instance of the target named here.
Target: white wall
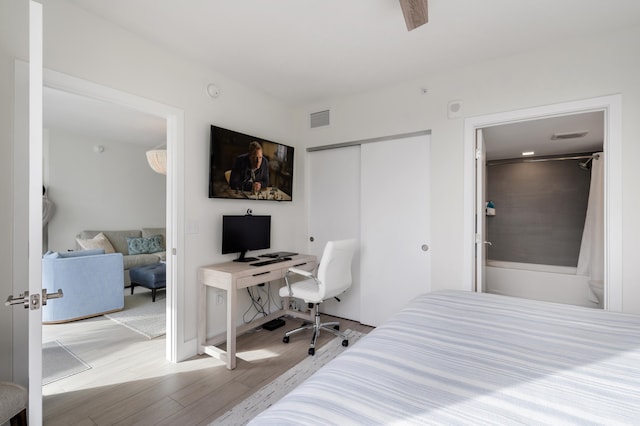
(115, 58)
(602, 65)
(86, 47)
(111, 190)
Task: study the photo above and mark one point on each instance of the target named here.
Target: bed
(456, 357)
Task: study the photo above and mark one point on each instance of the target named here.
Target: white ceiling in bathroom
(510, 140)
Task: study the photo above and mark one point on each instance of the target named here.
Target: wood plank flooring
(130, 382)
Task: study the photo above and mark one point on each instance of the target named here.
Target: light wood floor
(131, 382)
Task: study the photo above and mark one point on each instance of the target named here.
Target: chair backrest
(334, 272)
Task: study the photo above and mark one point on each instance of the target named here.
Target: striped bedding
(466, 358)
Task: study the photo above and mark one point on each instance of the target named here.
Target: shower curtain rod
(535, 160)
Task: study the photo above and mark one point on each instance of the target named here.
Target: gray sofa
(118, 240)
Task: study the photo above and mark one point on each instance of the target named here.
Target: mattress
(471, 358)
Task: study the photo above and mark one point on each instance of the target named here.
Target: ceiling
(511, 140)
(303, 51)
(102, 120)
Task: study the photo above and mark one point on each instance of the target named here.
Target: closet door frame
(377, 300)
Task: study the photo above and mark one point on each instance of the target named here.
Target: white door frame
(612, 107)
(481, 218)
(175, 198)
(34, 227)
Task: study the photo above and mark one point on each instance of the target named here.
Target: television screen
(248, 167)
(243, 233)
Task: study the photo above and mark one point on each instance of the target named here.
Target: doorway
(542, 182)
(106, 145)
(28, 173)
(474, 226)
(174, 199)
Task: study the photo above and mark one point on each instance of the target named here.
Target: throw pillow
(145, 245)
(97, 242)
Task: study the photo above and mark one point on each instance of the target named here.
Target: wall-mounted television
(248, 167)
(243, 233)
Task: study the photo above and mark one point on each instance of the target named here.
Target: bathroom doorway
(475, 198)
(544, 218)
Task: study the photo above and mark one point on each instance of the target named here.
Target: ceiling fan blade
(415, 13)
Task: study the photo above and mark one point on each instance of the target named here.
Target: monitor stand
(243, 258)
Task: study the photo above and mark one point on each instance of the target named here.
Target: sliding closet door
(334, 213)
(395, 227)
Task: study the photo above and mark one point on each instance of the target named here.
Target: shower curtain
(591, 257)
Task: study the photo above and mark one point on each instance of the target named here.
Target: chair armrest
(299, 271)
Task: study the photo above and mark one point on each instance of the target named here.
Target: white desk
(234, 276)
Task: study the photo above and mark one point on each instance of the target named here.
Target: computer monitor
(243, 233)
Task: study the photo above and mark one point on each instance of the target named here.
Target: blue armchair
(91, 281)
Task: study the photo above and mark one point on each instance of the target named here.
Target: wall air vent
(569, 135)
(319, 119)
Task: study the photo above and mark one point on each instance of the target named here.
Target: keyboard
(269, 262)
(278, 254)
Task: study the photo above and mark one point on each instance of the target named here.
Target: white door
(27, 222)
(481, 219)
(395, 230)
(334, 214)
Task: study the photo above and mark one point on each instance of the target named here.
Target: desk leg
(202, 317)
(231, 328)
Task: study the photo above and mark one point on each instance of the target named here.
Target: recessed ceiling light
(527, 153)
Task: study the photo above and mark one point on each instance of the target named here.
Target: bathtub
(541, 282)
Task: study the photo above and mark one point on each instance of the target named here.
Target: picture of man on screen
(250, 171)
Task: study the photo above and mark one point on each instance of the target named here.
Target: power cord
(260, 302)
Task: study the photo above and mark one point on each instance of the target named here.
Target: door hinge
(478, 239)
(478, 154)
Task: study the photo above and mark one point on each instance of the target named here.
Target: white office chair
(334, 277)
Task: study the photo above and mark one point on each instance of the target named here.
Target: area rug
(269, 394)
(59, 362)
(142, 315)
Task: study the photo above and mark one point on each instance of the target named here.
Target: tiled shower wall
(540, 211)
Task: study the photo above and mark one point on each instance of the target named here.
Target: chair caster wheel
(345, 342)
(285, 339)
(312, 351)
(336, 327)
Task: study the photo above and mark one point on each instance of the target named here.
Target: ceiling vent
(319, 119)
(570, 135)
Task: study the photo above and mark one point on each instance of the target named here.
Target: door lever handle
(32, 302)
(22, 298)
(46, 296)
